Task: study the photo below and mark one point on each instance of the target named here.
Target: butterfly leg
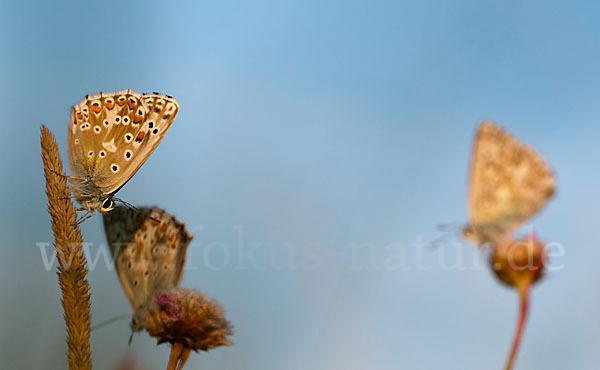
(81, 196)
(82, 179)
(90, 213)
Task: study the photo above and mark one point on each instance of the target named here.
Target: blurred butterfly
(148, 246)
(510, 182)
(110, 136)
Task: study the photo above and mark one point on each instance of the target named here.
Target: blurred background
(318, 146)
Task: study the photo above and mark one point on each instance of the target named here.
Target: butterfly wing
(112, 134)
(509, 183)
(149, 247)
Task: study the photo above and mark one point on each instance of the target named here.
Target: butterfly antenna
(130, 338)
(110, 321)
(448, 230)
(126, 204)
(449, 226)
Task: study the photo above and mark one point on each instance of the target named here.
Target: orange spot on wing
(131, 104)
(109, 104)
(96, 108)
(138, 119)
(121, 102)
(140, 136)
(79, 116)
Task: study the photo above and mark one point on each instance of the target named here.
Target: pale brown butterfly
(509, 183)
(110, 136)
(149, 247)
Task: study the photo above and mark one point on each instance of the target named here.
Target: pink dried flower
(188, 320)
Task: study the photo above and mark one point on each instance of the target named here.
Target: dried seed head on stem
(189, 321)
(519, 264)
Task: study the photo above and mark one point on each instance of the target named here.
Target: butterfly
(509, 183)
(149, 247)
(110, 136)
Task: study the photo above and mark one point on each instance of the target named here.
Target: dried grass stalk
(71, 260)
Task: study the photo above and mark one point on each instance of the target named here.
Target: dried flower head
(519, 263)
(189, 317)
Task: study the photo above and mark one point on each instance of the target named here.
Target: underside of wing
(149, 247)
(509, 182)
(112, 134)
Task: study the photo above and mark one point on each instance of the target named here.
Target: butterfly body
(87, 198)
(149, 247)
(110, 136)
(510, 182)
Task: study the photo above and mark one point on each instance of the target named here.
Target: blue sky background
(314, 127)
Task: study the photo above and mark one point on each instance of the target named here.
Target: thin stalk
(179, 356)
(176, 352)
(521, 321)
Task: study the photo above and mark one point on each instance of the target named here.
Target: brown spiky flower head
(189, 321)
(519, 263)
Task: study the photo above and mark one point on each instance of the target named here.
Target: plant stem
(179, 356)
(524, 308)
(176, 351)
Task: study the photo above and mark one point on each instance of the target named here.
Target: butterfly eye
(107, 205)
